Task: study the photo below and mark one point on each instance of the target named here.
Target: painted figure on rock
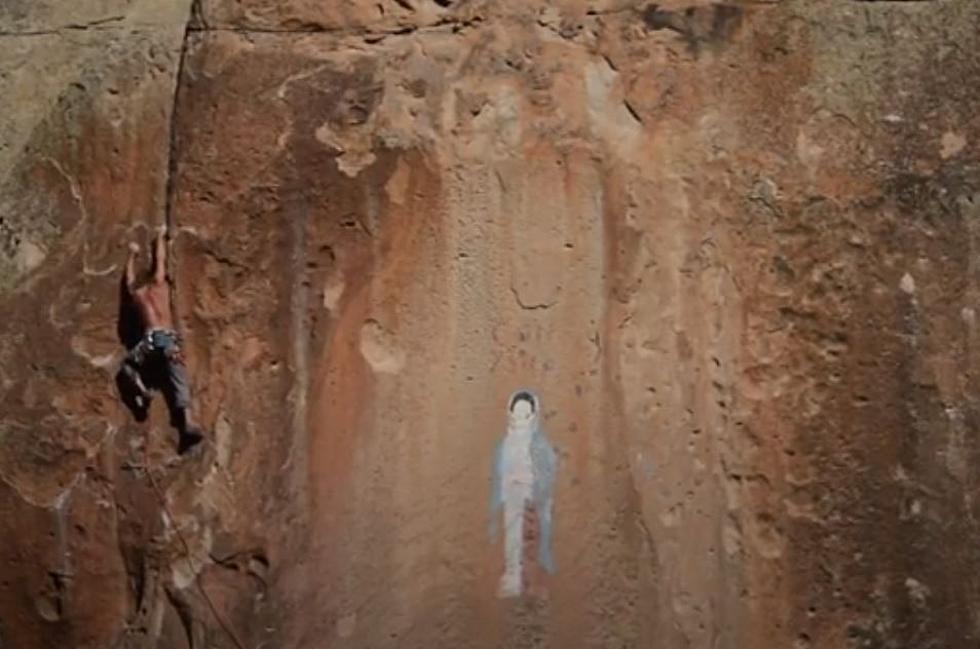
(156, 358)
(523, 480)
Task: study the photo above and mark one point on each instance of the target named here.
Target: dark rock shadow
(129, 329)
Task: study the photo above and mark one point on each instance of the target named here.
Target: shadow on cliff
(129, 331)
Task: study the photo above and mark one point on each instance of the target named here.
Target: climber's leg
(179, 397)
(130, 381)
(132, 375)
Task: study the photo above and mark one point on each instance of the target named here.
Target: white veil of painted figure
(523, 478)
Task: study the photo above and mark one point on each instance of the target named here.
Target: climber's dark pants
(159, 351)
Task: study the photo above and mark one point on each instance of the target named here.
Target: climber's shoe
(188, 440)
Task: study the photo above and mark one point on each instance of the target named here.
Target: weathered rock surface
(730, 246)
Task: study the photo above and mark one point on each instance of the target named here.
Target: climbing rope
(187, 554)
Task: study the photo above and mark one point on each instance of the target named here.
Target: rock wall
(729, 246)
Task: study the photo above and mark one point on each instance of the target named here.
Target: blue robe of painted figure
(544, 463)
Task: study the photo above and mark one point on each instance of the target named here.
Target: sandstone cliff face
(731, 247)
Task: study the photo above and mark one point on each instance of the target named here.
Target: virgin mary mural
(523, 480)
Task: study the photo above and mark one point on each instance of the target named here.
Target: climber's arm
(134, 251)
(160, 256)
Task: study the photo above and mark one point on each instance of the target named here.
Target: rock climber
(158, 352)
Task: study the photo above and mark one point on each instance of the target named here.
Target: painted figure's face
(522, 410)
